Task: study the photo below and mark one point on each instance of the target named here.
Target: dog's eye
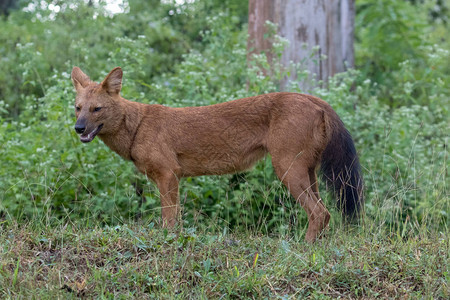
(78, 108)
(97, 109)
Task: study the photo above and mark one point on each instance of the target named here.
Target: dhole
(299, 131)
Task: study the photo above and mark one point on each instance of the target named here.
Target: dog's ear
(79, 79)
(113, 81)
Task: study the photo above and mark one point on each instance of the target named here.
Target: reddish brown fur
(167, 143)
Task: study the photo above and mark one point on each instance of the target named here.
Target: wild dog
(299, 131)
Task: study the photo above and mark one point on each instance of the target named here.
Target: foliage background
(395, 104)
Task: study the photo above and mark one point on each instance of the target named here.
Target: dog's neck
(121, 141)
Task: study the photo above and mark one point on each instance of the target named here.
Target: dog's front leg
(170, 202)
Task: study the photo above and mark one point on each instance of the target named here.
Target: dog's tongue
(86, 138)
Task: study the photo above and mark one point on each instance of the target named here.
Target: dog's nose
(79, 128)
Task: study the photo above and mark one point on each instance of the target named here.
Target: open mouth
(88, 137)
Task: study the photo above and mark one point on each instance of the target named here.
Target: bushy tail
(341, 169)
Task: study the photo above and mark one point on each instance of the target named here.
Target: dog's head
(97, 106)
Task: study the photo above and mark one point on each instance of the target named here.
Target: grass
(142, 261)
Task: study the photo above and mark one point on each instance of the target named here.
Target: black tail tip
(350, 199)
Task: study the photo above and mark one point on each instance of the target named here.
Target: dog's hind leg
(296, 175)
(314, 182)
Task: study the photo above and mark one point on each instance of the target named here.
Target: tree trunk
(328, 24)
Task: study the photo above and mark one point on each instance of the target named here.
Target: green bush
(395, 43)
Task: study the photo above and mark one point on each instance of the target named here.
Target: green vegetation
(71, 223)
(141, 262)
